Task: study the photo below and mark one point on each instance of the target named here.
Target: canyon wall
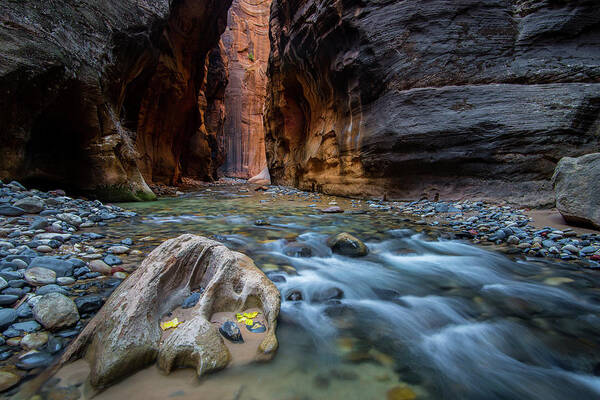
(418, 98)
(246, 44)
(95, 94)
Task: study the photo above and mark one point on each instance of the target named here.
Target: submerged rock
(8, 379)
(347, 245)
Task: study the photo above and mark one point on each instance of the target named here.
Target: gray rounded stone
(55, 311)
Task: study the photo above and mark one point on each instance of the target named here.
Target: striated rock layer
(94, 92)
(413, 98)
(246, 44)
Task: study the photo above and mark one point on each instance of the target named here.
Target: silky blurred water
(445, 319)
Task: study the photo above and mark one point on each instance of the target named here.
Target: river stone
(55, 311)
(118, 249)
(11, 211)
(8, 299)
(577, 189)
(51, 288)
(65, 280)
(231, 332)
(43, 249)
(32, 205)
(61, 267)
(3, 283)
(7, 317)
(347, 245)
(8, 380)
(100, 266)
(89, 303)
(34, 359)
(70, 219)
(26, 327)
(34, 340)
(39, 276)
(112, 260)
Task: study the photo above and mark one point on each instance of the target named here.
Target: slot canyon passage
(300, 199)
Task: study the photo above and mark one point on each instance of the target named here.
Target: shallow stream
(419, 317)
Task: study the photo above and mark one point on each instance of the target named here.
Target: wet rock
(7, 317)
(231, 332)
(54, 344)
(297, 249)
(100, 266)
(347, 245)
(575, 186)
(8, 379)
(294, 295)
(55, 311)
(35, 340)
(39, 276)
(31, 205)
(34, 359)
(61, 267)
(89, 303)
(332, 293)
(3, 283)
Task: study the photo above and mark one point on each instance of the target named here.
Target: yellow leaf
(169, 324)
(249, 322)
(251, 315)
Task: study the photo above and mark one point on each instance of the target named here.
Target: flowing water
(432, 318)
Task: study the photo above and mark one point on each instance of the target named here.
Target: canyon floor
(455, 299)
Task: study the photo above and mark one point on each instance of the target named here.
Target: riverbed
(419, 317)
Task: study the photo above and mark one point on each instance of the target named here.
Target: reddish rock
(246, 44)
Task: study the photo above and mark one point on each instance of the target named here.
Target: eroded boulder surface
(577, 189)
(411, 98)
(125, 335)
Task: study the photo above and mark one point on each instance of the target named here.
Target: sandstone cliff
(246, 43)
(95, 91)
(418, 97)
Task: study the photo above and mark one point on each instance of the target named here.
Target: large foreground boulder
(125, 335)
(577, 188)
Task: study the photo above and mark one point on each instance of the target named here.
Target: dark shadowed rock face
(94, 92)
(415, 98)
